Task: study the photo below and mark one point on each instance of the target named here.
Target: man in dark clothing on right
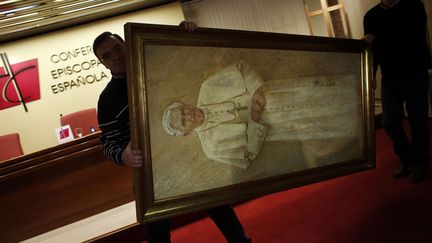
(396, 29)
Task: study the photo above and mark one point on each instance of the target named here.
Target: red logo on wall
(64, 133)
(19, 83)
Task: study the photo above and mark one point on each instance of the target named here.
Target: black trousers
(224, 217)
(413, 92)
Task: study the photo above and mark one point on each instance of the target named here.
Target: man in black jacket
(113, 116)
(396, 29)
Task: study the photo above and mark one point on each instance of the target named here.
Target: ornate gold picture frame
(223, 116)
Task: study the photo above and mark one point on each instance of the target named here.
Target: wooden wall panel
(49, 189)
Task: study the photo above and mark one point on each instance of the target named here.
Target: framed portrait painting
(223, 116)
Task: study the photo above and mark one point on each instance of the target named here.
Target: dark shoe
(419, 174)
(401, 172)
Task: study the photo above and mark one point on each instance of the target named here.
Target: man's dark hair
(102, 37)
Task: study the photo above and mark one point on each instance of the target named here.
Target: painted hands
(258, 105)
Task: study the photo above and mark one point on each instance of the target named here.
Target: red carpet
(364, 207)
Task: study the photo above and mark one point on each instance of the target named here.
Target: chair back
(84, 119)
(10, 146)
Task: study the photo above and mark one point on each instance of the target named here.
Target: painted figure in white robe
(237, 111)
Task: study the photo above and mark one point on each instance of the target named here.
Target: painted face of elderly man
(180, 119)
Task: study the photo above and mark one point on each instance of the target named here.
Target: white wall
(356, 10)
(36, 127)
(282, 16)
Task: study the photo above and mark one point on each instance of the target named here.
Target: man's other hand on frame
(369, 38)
(188, 25)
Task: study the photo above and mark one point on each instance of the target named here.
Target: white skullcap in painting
(166, 118)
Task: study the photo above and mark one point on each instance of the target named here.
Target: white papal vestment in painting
(296, 109)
